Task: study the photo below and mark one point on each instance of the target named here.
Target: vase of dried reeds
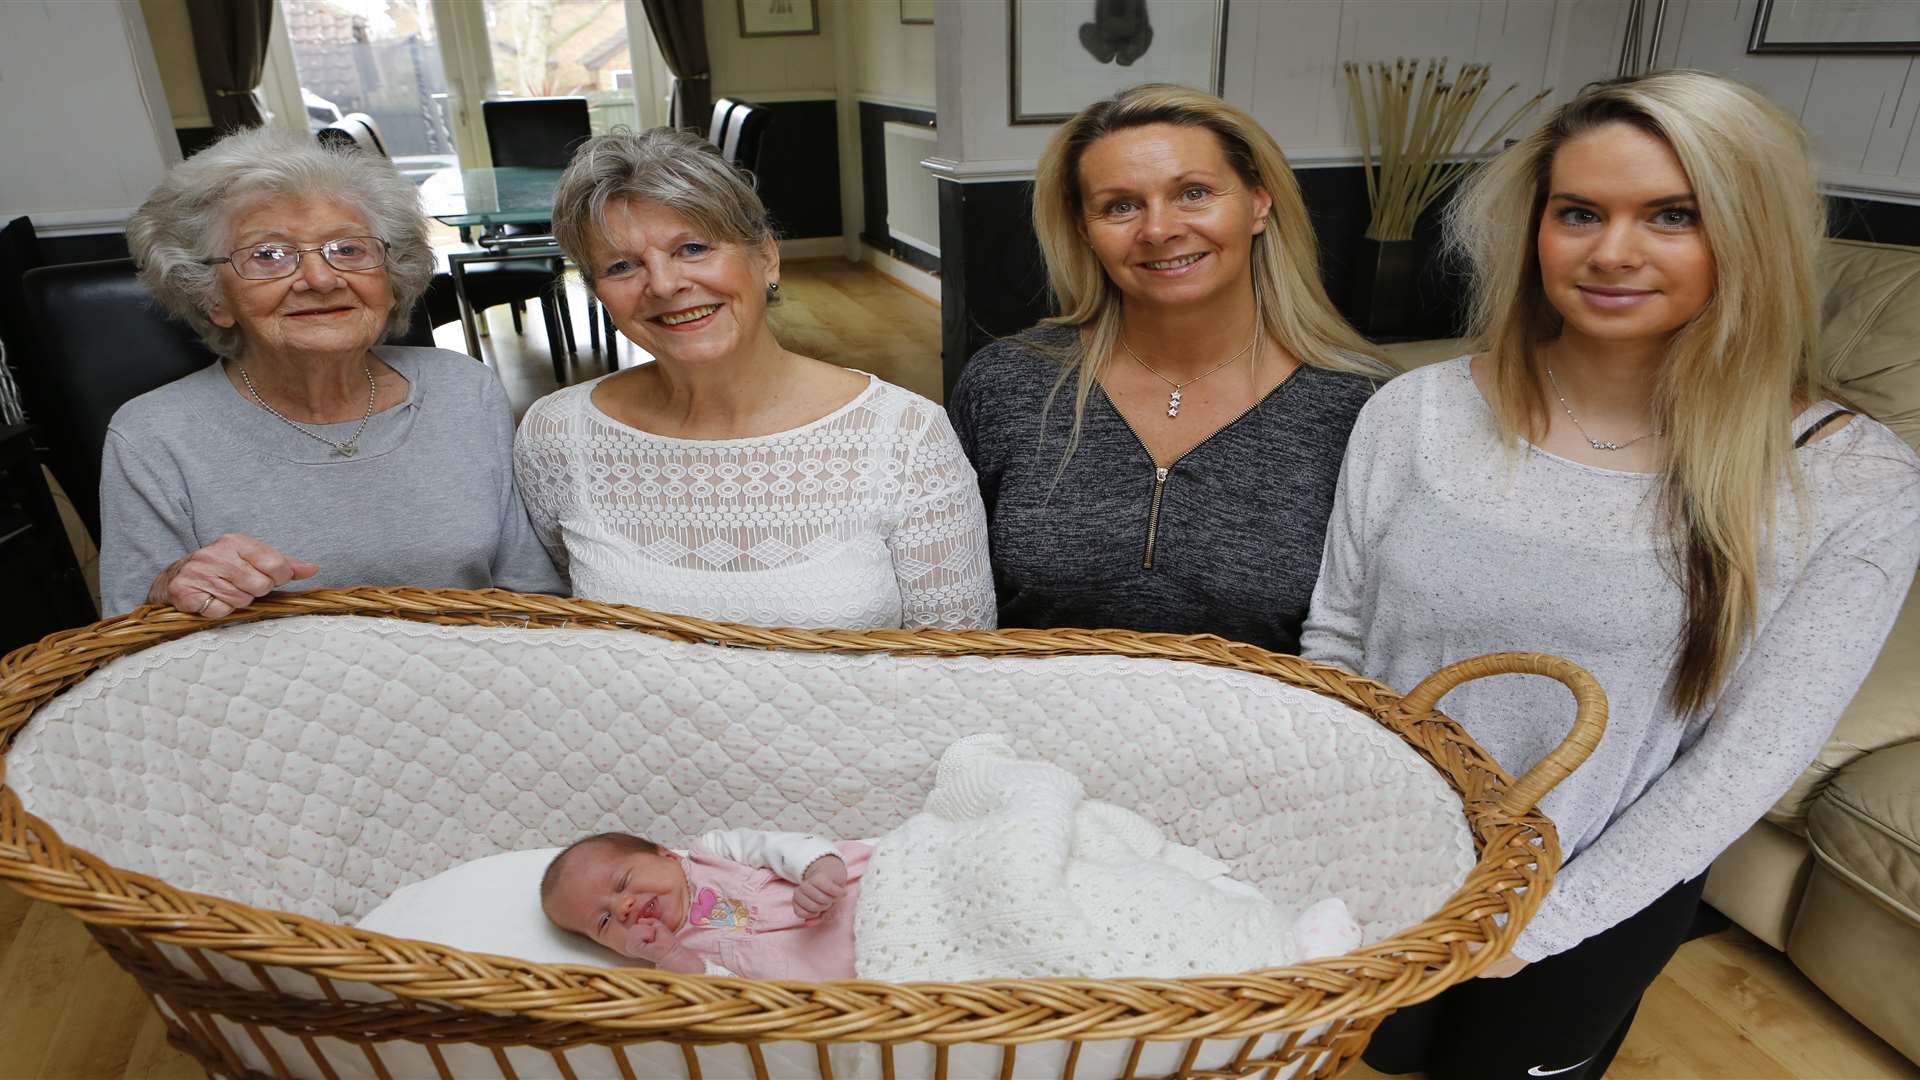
(1380, 291)
(1417, 131)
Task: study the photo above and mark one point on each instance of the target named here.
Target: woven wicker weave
(1327, 1008)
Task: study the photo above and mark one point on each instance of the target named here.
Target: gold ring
(205, 605)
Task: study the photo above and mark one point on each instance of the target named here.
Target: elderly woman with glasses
(308, 452)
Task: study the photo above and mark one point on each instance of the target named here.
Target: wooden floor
(1727, 1006)
(830, 309)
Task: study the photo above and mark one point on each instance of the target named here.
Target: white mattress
(317, 764)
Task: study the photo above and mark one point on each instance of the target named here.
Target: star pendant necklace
(1173, 398)
(1597, 444)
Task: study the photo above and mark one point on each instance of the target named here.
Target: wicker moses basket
(285, 774)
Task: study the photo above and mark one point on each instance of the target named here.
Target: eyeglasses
(265, 262)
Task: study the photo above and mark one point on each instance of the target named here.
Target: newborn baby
(762, 905)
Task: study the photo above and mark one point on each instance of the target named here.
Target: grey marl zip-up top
(1227, 541)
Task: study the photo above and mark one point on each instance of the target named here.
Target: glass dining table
(485, 199)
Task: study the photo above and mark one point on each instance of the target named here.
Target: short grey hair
(185, 220)
(664, 167)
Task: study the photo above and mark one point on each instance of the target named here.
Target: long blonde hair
(1733, 375)
(1291, 303)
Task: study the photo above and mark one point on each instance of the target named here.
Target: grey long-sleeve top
(1227, 542)
(1446, 545)
(428, 500)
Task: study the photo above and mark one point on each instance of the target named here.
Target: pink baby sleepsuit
(741, 915)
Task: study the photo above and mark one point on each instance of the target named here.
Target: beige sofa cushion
(1865, 827)
(1886, 711)
(1870, 329)
(1870, 344)
(1863, 956)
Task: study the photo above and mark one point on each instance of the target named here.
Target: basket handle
(1589, 720)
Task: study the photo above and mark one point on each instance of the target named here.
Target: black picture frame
(916, 19)
(1021, 111)
(763, 21)
(1759, 41)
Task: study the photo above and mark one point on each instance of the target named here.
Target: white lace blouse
(867, 517)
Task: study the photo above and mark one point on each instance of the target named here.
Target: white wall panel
(1893, 125)
(891, 60)
(85, 120)
(1283, 64)
(1859, 108)
(1299, 90)
(1849, 103)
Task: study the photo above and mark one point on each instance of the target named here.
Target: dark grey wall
(873, 181)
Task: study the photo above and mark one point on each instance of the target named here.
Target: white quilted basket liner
(316, 764)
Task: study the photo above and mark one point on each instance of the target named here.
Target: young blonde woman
(1644, 471)
(1162, 454)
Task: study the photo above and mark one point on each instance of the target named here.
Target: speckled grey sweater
(429, 499)
(1234, 545)
(1443, 546)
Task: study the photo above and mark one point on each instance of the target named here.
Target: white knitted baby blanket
(1011, 872)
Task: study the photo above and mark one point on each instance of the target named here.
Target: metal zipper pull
(1153, 517)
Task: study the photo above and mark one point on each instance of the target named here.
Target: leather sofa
(1831, 875)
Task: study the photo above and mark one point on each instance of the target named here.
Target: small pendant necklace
(1173, 398)
(1597, 444)
(341, 449)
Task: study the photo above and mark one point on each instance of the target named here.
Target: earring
(773, 290)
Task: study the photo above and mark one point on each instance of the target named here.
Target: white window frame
(461, 27)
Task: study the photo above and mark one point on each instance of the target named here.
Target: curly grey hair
(186, 218)
(663, 166)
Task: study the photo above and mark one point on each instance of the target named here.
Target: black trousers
(1564, 1016)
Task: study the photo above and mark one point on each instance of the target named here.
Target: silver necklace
(1597, 444)
(1173, 399)
(343, 449)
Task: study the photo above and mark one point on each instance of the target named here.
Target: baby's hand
(824, 886)
(650, 940)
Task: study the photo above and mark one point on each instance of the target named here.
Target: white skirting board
(914, 278)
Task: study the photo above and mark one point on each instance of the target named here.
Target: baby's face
(603, 892)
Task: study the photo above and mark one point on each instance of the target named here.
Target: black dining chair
(540, 132)
(489, 284)
(746, 133)
(535, 132)
(722, 117)
(356, 130)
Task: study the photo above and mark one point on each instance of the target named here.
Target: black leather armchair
(101, 342)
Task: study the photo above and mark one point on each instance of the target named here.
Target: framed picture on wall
(916, 12)
(778, 18)
(1834, 26)
(1067, 54)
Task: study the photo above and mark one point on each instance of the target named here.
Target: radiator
(913, 204)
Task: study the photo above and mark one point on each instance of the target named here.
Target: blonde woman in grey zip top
(1162, 454)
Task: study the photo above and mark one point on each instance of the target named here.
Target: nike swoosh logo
(1538, 1071)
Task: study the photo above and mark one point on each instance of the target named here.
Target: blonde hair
(1289, 299)
(1732, 374)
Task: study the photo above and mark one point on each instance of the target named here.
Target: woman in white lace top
(732, 479)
